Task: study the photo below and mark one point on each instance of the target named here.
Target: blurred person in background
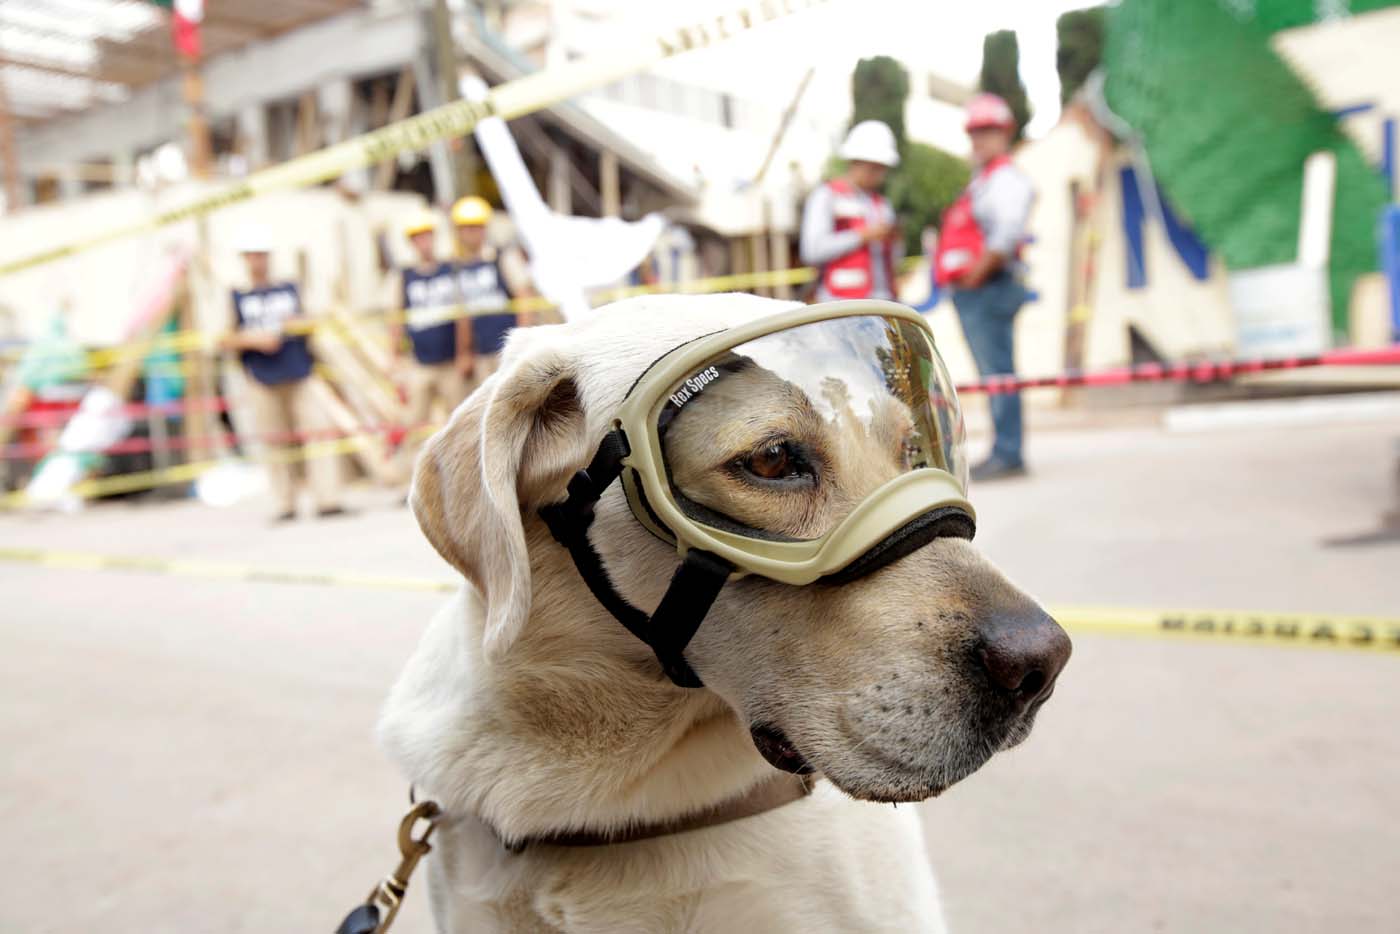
(485, 292)
(46, 386)
(278, 369)
(979, 246)
(849, 230)
(439, 337)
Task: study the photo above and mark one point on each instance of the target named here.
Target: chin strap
(693, 588)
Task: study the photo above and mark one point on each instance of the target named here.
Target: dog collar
(769, 795)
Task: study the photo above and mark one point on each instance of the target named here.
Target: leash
(376, 915)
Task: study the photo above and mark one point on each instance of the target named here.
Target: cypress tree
(1001, 74)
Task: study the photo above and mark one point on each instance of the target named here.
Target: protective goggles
(813, 445)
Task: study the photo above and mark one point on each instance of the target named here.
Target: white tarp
(568, 255)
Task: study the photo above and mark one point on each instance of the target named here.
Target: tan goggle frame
(882, 513)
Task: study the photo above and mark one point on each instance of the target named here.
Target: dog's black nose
(1023, 652)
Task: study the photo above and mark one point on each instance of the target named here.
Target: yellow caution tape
(1314, 631)
(1301, 630)
(729, 283)
(87, 561)
(513, 99)
(186, 473)
(196, 340)
(186, 341)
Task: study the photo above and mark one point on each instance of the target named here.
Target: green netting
(1273, 15)
(1228, 124)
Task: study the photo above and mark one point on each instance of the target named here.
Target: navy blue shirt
(484, 288)
(268, 309)
(429, 301)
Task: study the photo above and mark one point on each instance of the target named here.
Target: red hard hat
(986, 110)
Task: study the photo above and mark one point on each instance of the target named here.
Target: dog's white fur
(528, 710)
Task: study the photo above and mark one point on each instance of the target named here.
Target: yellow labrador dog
(533, 718)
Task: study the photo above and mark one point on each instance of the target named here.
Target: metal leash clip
(378, 911)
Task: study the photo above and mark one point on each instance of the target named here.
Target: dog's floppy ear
(511, 447)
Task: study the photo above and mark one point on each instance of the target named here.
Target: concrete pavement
(196, 755)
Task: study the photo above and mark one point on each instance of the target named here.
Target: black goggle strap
(693, 589)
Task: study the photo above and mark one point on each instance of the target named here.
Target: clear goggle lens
(782, 436)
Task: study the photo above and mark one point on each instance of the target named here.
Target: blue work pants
(988, 313)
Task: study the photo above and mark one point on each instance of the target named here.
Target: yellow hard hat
(471, 211)
(422, 222)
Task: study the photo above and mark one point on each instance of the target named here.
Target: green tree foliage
(1274, 15)
(1001, 74)
(879, 88)
(1228, 124)
(1079, 50)
(927, 182)
(927, 179)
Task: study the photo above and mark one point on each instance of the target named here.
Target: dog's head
(893, 686)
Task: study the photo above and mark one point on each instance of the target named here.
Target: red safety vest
(853, 275)
(960, 242)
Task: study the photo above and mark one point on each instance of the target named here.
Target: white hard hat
(870, 141)
(253, 238)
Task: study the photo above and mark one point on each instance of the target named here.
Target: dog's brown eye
(772, 463)
(782, 463)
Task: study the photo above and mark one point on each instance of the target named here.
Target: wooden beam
(87, 171)
(758, 250)
(220, 37)
(443, 53)
(533, 137)
(201, 148)
(560, 199)
(9, 161)
(149, 56)
(279, 18)
(610, 183)
(308, 135)
(322, 8)
(378, 105)
(22, 120)
(372, 454)
(103, 129)
(198, 425)
(784, 124)
(155, 53)
(780, 255)
(54, 68)
(398, 110)
(143, 56)
(250, 28)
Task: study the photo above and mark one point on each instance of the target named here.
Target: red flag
(185, 17)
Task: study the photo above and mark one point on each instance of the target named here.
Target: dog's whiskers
(874, 734)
